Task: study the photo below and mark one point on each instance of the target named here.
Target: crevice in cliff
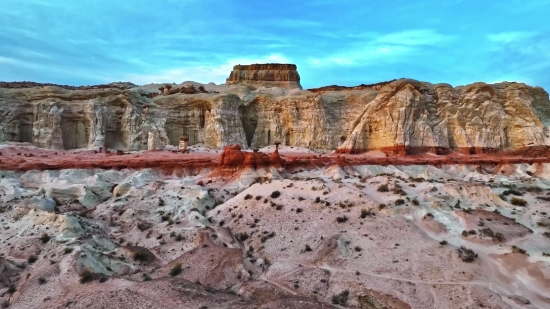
(74, 131)
(249, 118)
(113, 131)
(25, 128)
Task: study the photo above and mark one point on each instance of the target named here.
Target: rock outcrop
(154, 142)
(408, 117)
(398, 117)
(266, 75)
(376, 87)
(233, 157)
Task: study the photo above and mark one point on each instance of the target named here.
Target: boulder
(38, 203)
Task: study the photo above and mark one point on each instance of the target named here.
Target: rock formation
(267, 75)
(408, 117)
(272, 238)
(274, 227)
(183, 144)
(154, 142)
(376, 87)
(398, 117)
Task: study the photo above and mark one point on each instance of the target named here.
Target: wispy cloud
(390, 47)
(22, 65)
(216, 73)
(510, 37)
(415, 37)
(293, 23)
(468, 25)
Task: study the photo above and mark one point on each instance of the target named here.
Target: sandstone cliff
(408, 116)
(402, 116)
(268, 75)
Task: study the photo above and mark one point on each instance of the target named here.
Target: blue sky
(80, 42)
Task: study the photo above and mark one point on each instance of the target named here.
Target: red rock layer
(233, 156)
(233, 160)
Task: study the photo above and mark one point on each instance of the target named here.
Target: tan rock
(268, 75)
(154, 142)
(403, 116)
(183, 144)
(474, 118)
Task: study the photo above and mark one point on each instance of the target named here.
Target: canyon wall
(399, 117)
(408, 116)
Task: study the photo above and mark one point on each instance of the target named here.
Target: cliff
(408, 116)
(399, 117)
(267, 75)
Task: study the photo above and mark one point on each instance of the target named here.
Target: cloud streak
(388, 48)
(510, 37)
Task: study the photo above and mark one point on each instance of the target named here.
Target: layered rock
(399, 117)
(408, 116)
(267, 75)
(56, 118)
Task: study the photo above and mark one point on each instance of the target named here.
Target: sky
(342, 42)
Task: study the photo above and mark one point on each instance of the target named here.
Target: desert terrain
(216, 233)
(258, 193)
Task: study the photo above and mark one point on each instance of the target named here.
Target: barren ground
(91, 230)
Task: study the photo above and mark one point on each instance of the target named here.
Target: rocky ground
(303, 236)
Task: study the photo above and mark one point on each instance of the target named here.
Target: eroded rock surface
(398, 117)
(292, 229)
(266, 75)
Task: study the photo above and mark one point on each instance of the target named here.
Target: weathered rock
(154, 142)
(232, 156)
(268, 75)
(79, 193)
(408, 116)
(399, 117)
(38, 203)
(8, 273)
(183, 144)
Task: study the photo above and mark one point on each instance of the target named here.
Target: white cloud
(414, 37)
(28, 53)
(201, 73)
(522, 43)
(294, 23)
(371, 47)
(18, 63)
(510, 37)
(54, 69)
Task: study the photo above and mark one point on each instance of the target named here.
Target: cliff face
(57, 118)
(408, 116)
(268, 75)
(400, 117)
